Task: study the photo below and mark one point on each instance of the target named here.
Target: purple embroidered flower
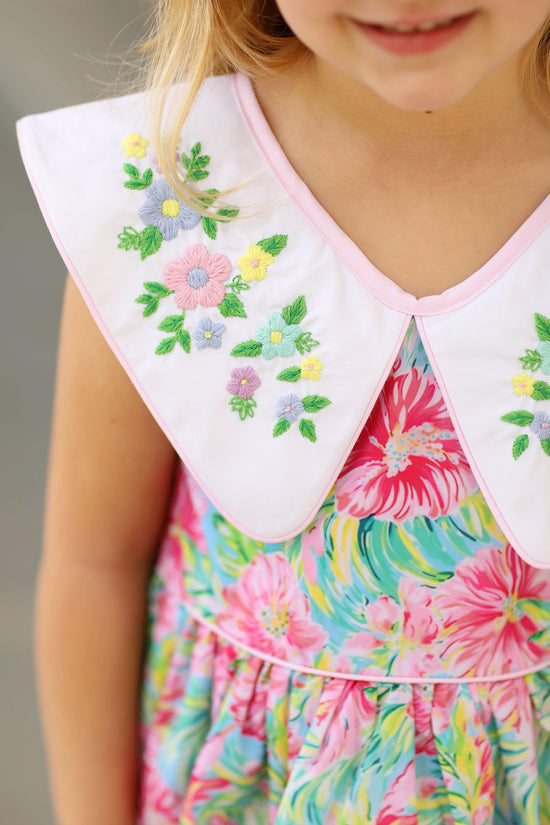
(543, 350)
(244, 382)
(166, 211)
(290, 407)
(540, 425)
(208, 334)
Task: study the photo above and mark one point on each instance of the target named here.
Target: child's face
(415, 70)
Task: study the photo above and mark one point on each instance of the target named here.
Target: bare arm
(109, 484)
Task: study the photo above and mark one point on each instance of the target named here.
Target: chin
(420, 100)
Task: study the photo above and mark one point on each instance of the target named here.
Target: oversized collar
(260, 338)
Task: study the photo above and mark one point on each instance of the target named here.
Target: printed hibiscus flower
(267, 611)
(163, 209)
(135, 145)
(492, 608)
(253, 264)
(407, 461)
(198, 277)
(400, 636)
(277, 337)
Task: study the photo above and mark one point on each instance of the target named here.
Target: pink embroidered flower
(266, 610)
(400, 636)
(407, 461)
(491, 609)
(198, 277)
(244, 382)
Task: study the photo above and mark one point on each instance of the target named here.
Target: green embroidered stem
(243, 406)
(195, 164)
(531, 360)
(305, 343)
(174, 323)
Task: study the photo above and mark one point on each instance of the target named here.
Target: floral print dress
(388, 666)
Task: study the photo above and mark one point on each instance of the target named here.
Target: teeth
(421, 27)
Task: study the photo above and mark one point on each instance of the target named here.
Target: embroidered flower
(543, 350)
(277, 337)
(253, 264)
(166, 211)
(244, 382)
(135, 145)
(197, 277)
(208, 333)
(523, 384)
(290, 407)
(540, 425)
(156, 163)
(311, 367)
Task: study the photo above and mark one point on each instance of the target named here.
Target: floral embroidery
(290, 408)
(525, 384)
(197, 277)
(311, 367)
(208, 334)
(134, 144)
(242, 385)
(281, 335)
(254, 263)
(163, 212)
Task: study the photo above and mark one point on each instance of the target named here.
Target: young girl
(307, 353)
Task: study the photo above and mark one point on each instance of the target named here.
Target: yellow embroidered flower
(253, 264)
(311, 367)
(523, 384)
(134, 144)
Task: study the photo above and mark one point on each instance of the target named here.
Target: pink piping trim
(143, 394)
(359, 677)
(505, 527)
(371, 277)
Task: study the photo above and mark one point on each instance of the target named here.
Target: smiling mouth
(416, 37)
(405, 28)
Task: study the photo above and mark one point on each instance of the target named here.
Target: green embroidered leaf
(157, 288)
(541, 391)
(281, 427)
(521, 418)
(131, 170)
(184, 339)
(232, 307)
(519, 446)
(305, 343)
(237, 285)
(148, 177)
(274, 244)
(307, 428)
(314, 403)
(150, 241)
(248, 349)
(546, 446)
(243, 406)
(227, 213)
(165, 346)
(129, 238)
(531, 360)
(542, 325)
(290, 374)
(295, 313)
(210, 227)
(206, 199)
(196, 149)
(151, 304)
(172, 323)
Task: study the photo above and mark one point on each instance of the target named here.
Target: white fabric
(271, 487)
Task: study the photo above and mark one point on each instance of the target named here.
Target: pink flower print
(197, 277)
(491, 608)
(244, 382)
(422, 712)
(346, 712)
(407, 461)
(400, 636)
(249, 698)
(267, 611)
(400, 795)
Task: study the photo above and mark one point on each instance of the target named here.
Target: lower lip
(417, 42)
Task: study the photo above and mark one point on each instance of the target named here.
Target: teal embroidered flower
(543, 350)
(277, 337)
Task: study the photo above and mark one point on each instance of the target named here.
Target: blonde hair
(194, 39)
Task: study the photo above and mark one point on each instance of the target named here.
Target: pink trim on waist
(360, 677)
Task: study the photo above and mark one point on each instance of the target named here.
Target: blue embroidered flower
(166, 211)
(290, 407)
(543, 350)
(540, 425)
(277, 337)
(208, 334)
